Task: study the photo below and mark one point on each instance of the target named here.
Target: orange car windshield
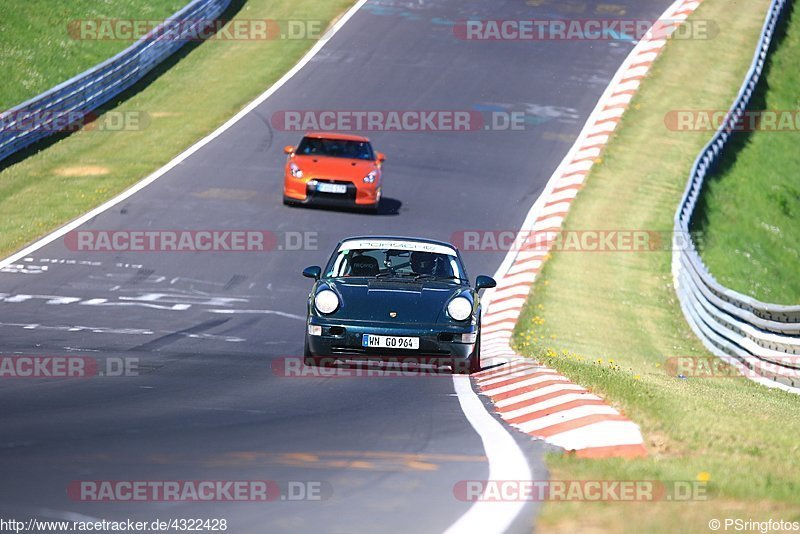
(335, 148)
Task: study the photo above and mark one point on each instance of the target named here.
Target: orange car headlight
(371, 177)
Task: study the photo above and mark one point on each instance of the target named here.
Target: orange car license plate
(332, 188)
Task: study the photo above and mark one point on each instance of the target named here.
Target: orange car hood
(325, 167)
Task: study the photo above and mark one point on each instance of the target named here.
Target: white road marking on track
(229, 339)
(55, 300)
(159, 301)
(506, 462)
(20, 268)
(104, 302)
(185, 299)
(259, 312)
(70, 328)
(120, 331)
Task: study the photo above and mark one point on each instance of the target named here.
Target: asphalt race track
(206, 327)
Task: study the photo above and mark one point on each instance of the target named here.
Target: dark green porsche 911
(395, 299)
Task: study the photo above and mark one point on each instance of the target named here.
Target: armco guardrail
(762, 339)
(51, 111)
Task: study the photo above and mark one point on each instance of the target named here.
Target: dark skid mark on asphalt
(167, 339)
(236, 279)
(140, 276)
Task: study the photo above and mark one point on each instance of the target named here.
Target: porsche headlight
(371, 177)
(459, 309)
(326, 301)
(295, 170)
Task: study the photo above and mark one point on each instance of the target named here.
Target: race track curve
(206, 404)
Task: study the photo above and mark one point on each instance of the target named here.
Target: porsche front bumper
(437, 343)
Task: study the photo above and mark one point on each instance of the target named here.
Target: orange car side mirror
(381, 157)
(288, 149)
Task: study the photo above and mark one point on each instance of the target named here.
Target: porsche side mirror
(312, 272)
(484, 282)
(288, 149)
(381, 157)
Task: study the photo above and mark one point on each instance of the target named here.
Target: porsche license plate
(339, 189)
(390, 342)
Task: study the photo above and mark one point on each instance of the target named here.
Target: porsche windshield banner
(388, 244)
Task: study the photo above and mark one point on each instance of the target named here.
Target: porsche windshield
(406, 263)
(335, 148)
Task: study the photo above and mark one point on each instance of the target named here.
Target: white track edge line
(506, 462)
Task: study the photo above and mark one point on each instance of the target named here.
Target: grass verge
(750, 215)
(79, 172)
(610, 320)
(37, 51)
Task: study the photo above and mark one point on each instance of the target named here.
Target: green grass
(37, 51)
(751, 210)
(81, 171)
(617, 317)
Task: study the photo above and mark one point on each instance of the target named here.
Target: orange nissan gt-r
(335, 170)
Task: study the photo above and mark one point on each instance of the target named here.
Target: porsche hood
(394, 301)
